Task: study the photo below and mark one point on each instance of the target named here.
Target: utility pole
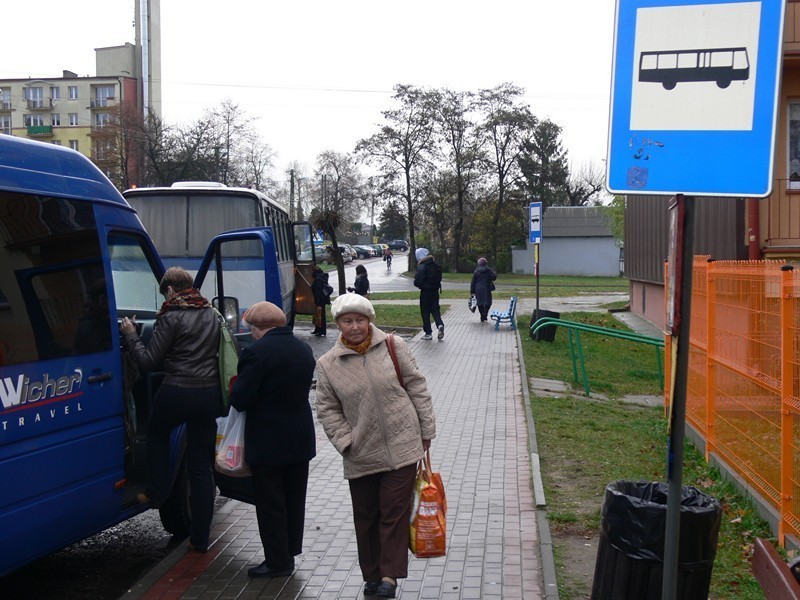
(291, 195)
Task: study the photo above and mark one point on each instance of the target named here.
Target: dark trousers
(198, 408)
(323, 328)
(429, 305)
(483, 309)
(280, 508)
(382, 513)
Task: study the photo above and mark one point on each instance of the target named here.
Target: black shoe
(387, 589)
(371, 588)
(263, 570)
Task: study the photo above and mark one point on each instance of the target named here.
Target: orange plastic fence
(743, 391)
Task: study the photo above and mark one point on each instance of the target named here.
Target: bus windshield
(181, 224)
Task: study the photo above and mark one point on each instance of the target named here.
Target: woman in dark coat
(321, 291)
(275, 374)
(482, 286)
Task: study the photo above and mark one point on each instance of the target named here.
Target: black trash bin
(630, 557)
(548, 332)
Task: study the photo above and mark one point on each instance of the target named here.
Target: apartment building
(71, 110)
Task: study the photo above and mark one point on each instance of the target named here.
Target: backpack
(433, 273)
(228, 356)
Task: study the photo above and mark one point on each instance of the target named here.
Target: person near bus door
(185, 341)
(321, 291)
(482, 286)
(272, 387)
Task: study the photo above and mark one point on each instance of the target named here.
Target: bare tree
(507, 126)
(585, 185)
(460, 151)
(400, 147)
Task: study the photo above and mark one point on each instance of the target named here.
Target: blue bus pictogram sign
(694, 97)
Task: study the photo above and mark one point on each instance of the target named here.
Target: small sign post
(535, 221)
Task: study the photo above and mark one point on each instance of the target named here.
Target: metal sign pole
(536, 271)
(677, 424)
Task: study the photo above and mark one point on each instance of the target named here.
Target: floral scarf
(190, 299)
(360, 348)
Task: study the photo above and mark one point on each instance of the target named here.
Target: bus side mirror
(229, 310)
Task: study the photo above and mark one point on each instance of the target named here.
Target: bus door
(241, 266)
(61, 431)
(305, 261)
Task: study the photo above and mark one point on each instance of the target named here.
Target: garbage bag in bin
(630, 557)
(548, 332)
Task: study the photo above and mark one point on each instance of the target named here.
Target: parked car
(364, 251)
(377, 248)
(401, 245)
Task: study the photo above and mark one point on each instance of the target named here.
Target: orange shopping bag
(428, 535)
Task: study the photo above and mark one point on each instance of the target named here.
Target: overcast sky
(318, 73)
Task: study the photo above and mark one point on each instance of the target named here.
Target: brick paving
(482, 450)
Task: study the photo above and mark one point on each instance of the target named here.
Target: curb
(545, 539)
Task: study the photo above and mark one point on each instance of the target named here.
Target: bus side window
(52, 279)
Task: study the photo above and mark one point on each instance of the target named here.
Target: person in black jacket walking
(272, 387)
(482, 286)
(321, 291)
(428, 279)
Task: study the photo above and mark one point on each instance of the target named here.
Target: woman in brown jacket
(381, 428)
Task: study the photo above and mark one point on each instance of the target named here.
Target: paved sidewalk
(483, 451)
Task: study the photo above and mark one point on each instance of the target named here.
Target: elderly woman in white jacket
(381, 428)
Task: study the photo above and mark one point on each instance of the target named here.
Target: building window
(55, 92)
(102, 119)
(5, 124)
(73, 92)
(73, 119)
(34, 96)
(55, 120)
(5, 98)
(73, 144)
(33, 120)
(56, 142)
(102, 94)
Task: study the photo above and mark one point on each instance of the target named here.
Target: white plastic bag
(473, 303)
(230, 450)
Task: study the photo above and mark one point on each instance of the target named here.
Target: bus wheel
(175, 512)
(723, 83)
(669, 85)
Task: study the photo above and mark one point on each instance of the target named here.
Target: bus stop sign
(694, 97)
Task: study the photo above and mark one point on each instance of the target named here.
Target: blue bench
(510, 315)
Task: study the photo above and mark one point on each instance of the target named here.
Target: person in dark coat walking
(272, 387)
(321, 291)
(428, 279)
(482, 287)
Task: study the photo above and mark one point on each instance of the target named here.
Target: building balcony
(5, 106)
(40, 130)
(39, 103)
(103, 102)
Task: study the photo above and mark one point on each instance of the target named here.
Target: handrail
(607, 331)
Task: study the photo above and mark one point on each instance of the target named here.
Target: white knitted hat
(421, 253)
(352, 303)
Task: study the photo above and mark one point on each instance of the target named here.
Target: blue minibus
(75, 259)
